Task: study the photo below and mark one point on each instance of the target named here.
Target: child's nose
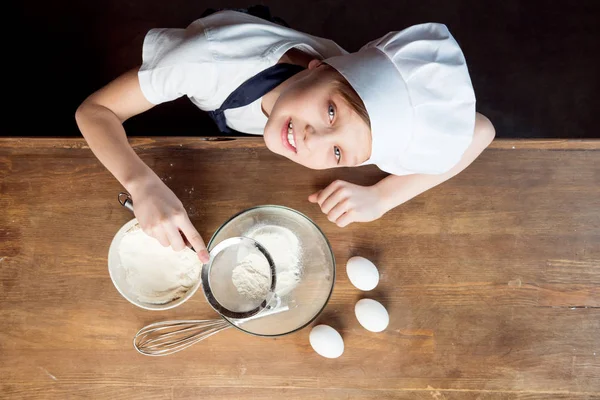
(313, 139)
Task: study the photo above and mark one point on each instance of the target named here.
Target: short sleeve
(176, 63)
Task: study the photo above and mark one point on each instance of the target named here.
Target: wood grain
(492, 280)
(33, 144)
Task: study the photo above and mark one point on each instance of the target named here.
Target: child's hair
(343, 88)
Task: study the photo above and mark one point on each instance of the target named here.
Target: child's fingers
(328, 191)
(337, 211)
(194, 238)
(174, 236)
(345, 220)
(313, 197)
(159, 234)
(332, 201)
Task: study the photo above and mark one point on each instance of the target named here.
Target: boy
(403, 102)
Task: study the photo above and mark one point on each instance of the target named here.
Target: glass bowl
(309, 296)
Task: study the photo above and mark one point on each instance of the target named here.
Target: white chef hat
(416, 87)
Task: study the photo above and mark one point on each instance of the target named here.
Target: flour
(157, 274)
(251, 276)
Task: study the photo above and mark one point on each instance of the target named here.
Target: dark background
(534, 64)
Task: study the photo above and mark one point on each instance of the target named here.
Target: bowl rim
(154, 307)
(210, 243)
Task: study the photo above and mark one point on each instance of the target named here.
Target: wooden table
(492, 280)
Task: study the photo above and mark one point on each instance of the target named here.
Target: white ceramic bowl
(117, 274)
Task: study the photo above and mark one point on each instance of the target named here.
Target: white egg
(372, 315)
(326, 341)
(362, 273)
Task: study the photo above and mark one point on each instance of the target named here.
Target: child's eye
(337, 153)
(331, 112)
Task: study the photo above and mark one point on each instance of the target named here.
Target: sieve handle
(273, 301)
(125, 200)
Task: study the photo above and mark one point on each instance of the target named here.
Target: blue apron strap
(252, 90)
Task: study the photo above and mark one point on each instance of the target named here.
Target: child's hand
(162, 216)
(345, 203)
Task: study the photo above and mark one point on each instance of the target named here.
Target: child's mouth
(288, 137)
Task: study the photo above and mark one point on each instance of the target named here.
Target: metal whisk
(168, 337)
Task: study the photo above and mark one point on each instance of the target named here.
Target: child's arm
(395, 190)
(345, 203)
(100, 119)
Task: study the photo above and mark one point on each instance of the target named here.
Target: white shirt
(213, 56)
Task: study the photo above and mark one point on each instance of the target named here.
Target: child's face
(325, 131)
